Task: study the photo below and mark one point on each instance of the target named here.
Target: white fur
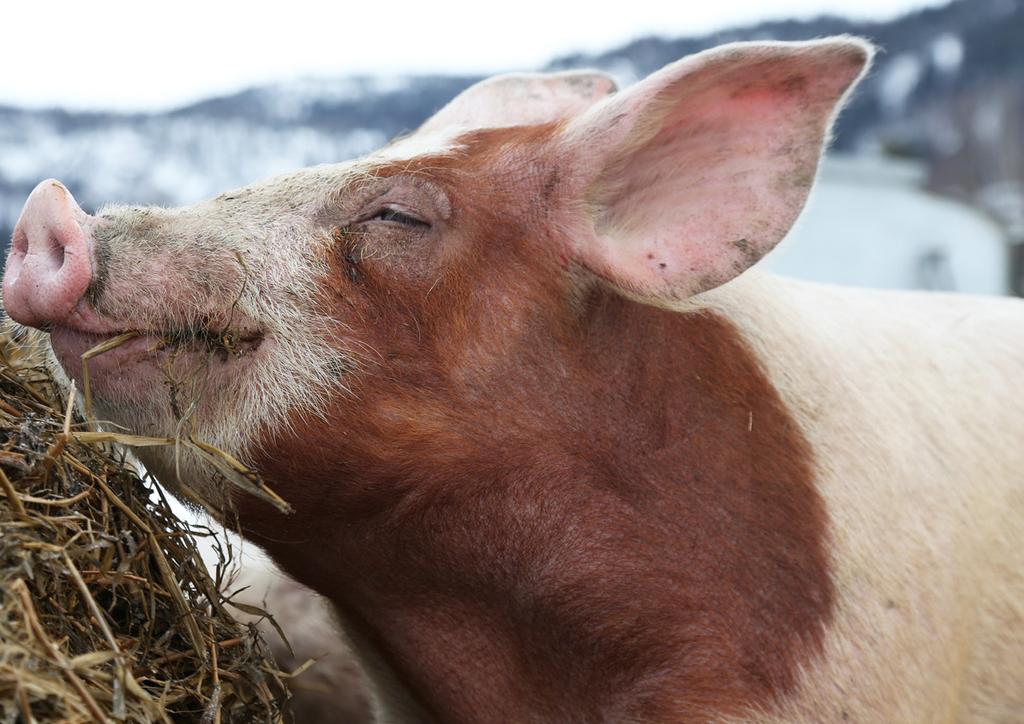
(914, 406)
(421, 144)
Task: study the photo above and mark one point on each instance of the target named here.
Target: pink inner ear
(715, 166)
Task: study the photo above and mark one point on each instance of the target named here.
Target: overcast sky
(127, 55)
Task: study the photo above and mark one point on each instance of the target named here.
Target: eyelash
(392, 215)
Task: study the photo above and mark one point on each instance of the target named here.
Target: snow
(899, 81)
(948, 53)
(294, 100)
(169, 160)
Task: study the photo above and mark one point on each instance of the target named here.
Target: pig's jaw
(228, 388)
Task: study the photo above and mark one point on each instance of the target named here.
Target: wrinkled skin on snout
(452, 356)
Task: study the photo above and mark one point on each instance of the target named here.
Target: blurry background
(925, 187)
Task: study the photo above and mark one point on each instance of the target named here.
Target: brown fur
(544, 501)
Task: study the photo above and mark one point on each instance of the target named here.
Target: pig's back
(914, 406)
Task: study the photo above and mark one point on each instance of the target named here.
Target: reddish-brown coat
(544, 501)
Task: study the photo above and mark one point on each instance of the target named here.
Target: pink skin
(49, 270)
(50, 266)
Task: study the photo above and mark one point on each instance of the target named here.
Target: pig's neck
(631, 534)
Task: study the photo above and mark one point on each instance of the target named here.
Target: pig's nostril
(48, 269)
(56, 254)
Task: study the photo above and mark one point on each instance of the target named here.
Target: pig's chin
(147, 364)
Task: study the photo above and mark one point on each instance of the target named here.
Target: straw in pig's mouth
(72, 342)
(223, 343)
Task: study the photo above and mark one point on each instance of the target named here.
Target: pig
(555, 451)
(298, 630)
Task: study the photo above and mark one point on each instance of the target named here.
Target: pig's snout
(49, 266)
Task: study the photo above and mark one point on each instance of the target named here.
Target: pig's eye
(397, 216)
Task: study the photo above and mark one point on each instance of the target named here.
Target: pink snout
(49, 267)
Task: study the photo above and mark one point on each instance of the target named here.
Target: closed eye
(397, 216)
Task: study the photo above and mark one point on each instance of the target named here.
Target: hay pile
(107, 612)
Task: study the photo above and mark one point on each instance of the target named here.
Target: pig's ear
(690, 176)
(522, 99)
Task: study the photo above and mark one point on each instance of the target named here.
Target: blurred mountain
(948, 88)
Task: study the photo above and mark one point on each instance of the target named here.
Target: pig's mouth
(134, 352)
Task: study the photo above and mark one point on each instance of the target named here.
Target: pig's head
(373, 306)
